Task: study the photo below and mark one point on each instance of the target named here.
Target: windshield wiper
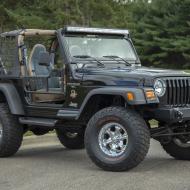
(115, 57)
(99, 63)
(82, 56)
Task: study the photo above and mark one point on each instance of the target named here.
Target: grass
(153, 122)
(30, 133)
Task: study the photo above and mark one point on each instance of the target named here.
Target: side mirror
(44, 59)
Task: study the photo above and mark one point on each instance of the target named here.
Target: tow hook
(179, 115)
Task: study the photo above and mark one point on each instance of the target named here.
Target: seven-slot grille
(178, 91)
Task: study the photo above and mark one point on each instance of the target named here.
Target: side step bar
(38, 121)
(68, 114)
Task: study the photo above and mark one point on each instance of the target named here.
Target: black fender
(12, 97)
(139, 94)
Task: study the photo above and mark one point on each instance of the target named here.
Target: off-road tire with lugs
(138, 135)
(12, 132)
(174, 150)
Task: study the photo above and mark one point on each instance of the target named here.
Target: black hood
(130, 76)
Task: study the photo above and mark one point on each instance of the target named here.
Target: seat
(35, 69)
(33, 62)
(75, 50)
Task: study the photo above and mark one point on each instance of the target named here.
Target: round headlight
(159, 87)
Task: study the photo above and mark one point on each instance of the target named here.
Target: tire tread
(12, 134)
(141, 146)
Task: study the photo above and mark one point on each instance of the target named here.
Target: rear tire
(127, 153)
(71, 140)
(11, 134)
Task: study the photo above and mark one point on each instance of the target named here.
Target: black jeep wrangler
(88, 85)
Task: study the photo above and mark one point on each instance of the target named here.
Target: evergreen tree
(160, 29)
(162, 33)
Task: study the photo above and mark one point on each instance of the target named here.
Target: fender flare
(13, 98)
(121, 91)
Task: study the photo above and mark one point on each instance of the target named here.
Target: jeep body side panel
(118, 91)
(12, 97)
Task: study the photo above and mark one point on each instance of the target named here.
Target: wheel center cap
(113, 139)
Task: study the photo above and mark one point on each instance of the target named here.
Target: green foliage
(160, 29)
(163, 33)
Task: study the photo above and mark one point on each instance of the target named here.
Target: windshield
(100, 47)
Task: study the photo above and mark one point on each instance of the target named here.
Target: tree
(162, 33)
(159, 28)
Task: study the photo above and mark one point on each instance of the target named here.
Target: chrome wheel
(113, 139)
(1, 131)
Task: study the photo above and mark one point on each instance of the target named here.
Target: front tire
(117, 139)
(11, 133)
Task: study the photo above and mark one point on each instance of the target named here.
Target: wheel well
(98, 102)
(2, 97)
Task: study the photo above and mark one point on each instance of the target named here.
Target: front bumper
(172, 115)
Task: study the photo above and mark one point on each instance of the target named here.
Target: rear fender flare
(12, 98)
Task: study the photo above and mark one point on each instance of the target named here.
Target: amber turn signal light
(130, 96)
(150, 95)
